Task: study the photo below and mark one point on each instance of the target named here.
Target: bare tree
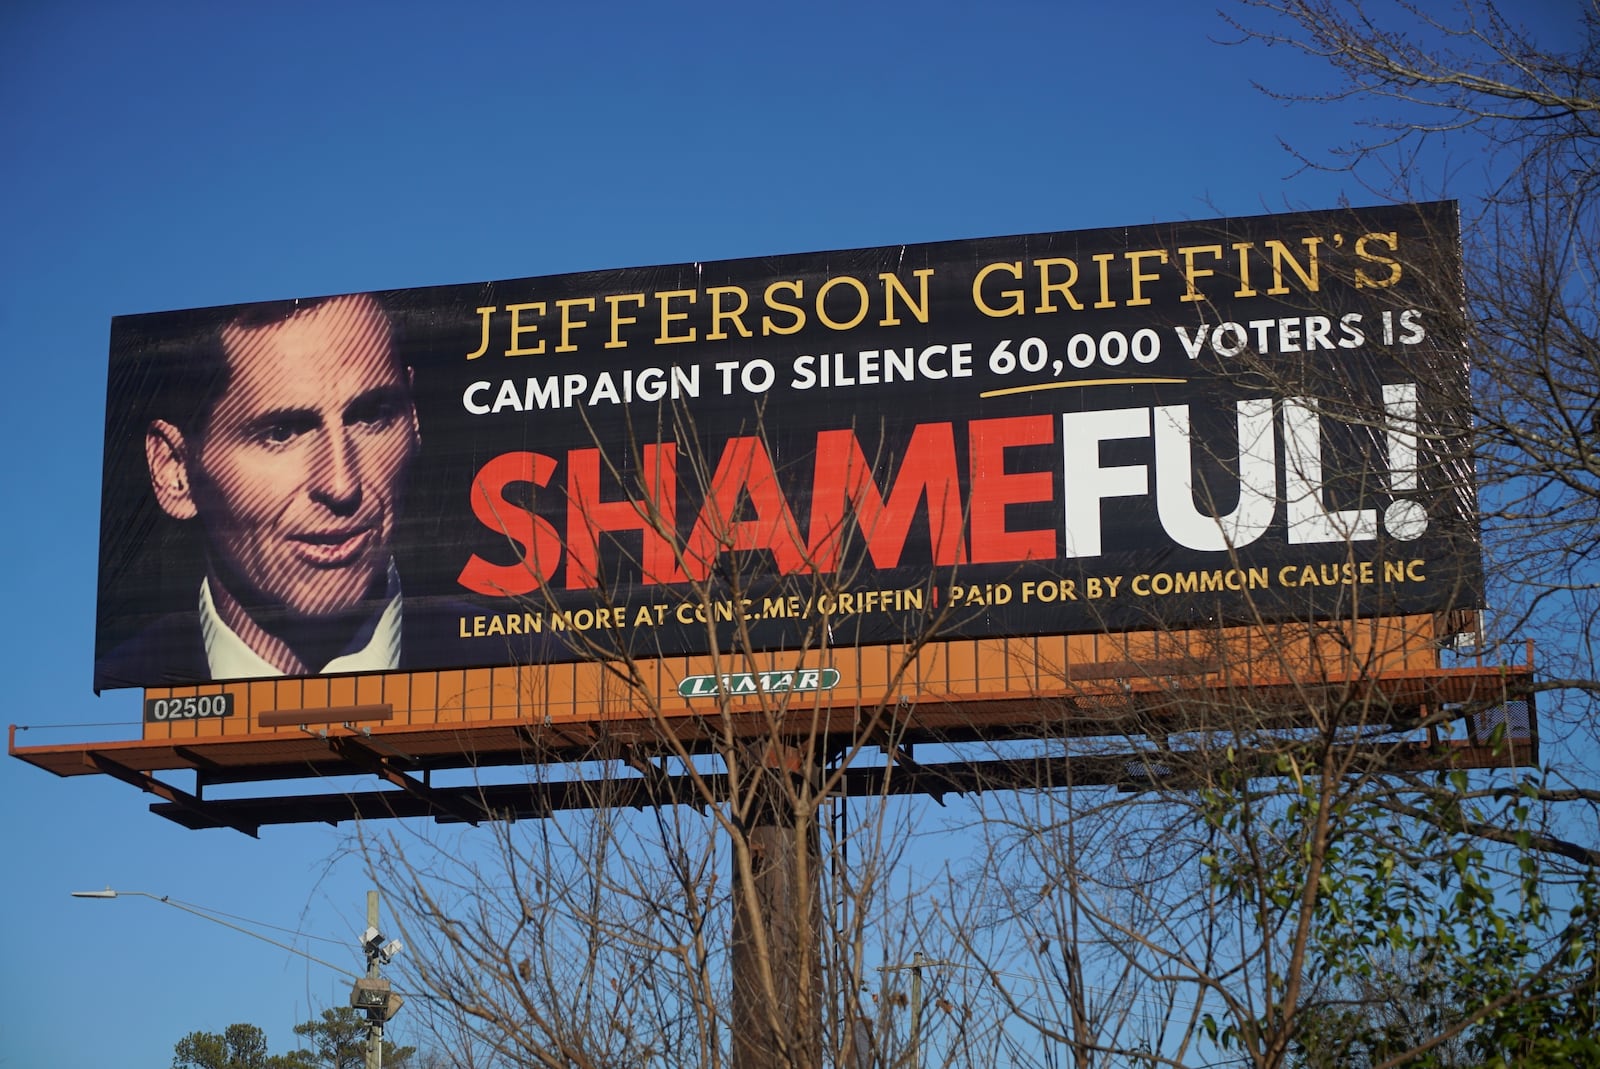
(720, 889)
(1267, 908)
(1474, 85)
(1229, 872)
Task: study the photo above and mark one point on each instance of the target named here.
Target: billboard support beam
(356, 753)
(1129, 771)
(659, 784)
(777, 914)
(180, 798)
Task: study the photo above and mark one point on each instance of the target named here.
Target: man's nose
(336, 479)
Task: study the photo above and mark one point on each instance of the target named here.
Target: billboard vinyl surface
(1163, 426)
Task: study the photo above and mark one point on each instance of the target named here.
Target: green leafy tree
(239, 1046)
(338, 1040)
(1422, 947)
(1479, 917)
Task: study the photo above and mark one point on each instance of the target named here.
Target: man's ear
(167, 453)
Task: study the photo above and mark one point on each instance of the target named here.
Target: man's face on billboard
(299, 471)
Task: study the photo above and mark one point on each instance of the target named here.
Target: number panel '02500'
(194, 707)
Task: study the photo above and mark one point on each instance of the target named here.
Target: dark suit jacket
(171, 652)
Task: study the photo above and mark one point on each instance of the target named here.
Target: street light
(372, 994)
(201, 913)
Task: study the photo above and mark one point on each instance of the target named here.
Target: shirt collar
(229, 657)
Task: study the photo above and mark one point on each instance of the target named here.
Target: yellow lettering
(1191, 271)
(483, 346)
(1141, 277)
(822, 297)
(918, 308)
(569, 324)
(1104, 260)
(618, 320)
(518, 330)
(1243, 249)
(1281, 255)
(1017, 304)
(1047, 287)
(794, 286)
(668, 317)
(734, 315)
(1391, 240)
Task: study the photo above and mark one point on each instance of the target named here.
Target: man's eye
(277, 434)
(374, 414)
(280, 432)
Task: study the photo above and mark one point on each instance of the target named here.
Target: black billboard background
(150, 566)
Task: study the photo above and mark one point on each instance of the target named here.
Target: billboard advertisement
(1162, 426)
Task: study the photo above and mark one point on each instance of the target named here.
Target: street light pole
(374, 1017)
(166, 900)
(371, 994)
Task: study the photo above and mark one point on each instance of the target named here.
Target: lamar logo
(736, 683)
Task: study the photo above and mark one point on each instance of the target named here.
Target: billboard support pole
(777, 989)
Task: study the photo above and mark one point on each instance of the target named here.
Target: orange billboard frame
(1382, 674)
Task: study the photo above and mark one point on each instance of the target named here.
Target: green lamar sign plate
(739, 683)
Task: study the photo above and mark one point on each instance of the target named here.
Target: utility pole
(917, 961)
(374, 1017)
(914, 1041)
(372, 992)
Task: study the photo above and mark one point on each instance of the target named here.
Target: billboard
(1166, 426)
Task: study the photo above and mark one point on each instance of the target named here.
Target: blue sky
(165, 155)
